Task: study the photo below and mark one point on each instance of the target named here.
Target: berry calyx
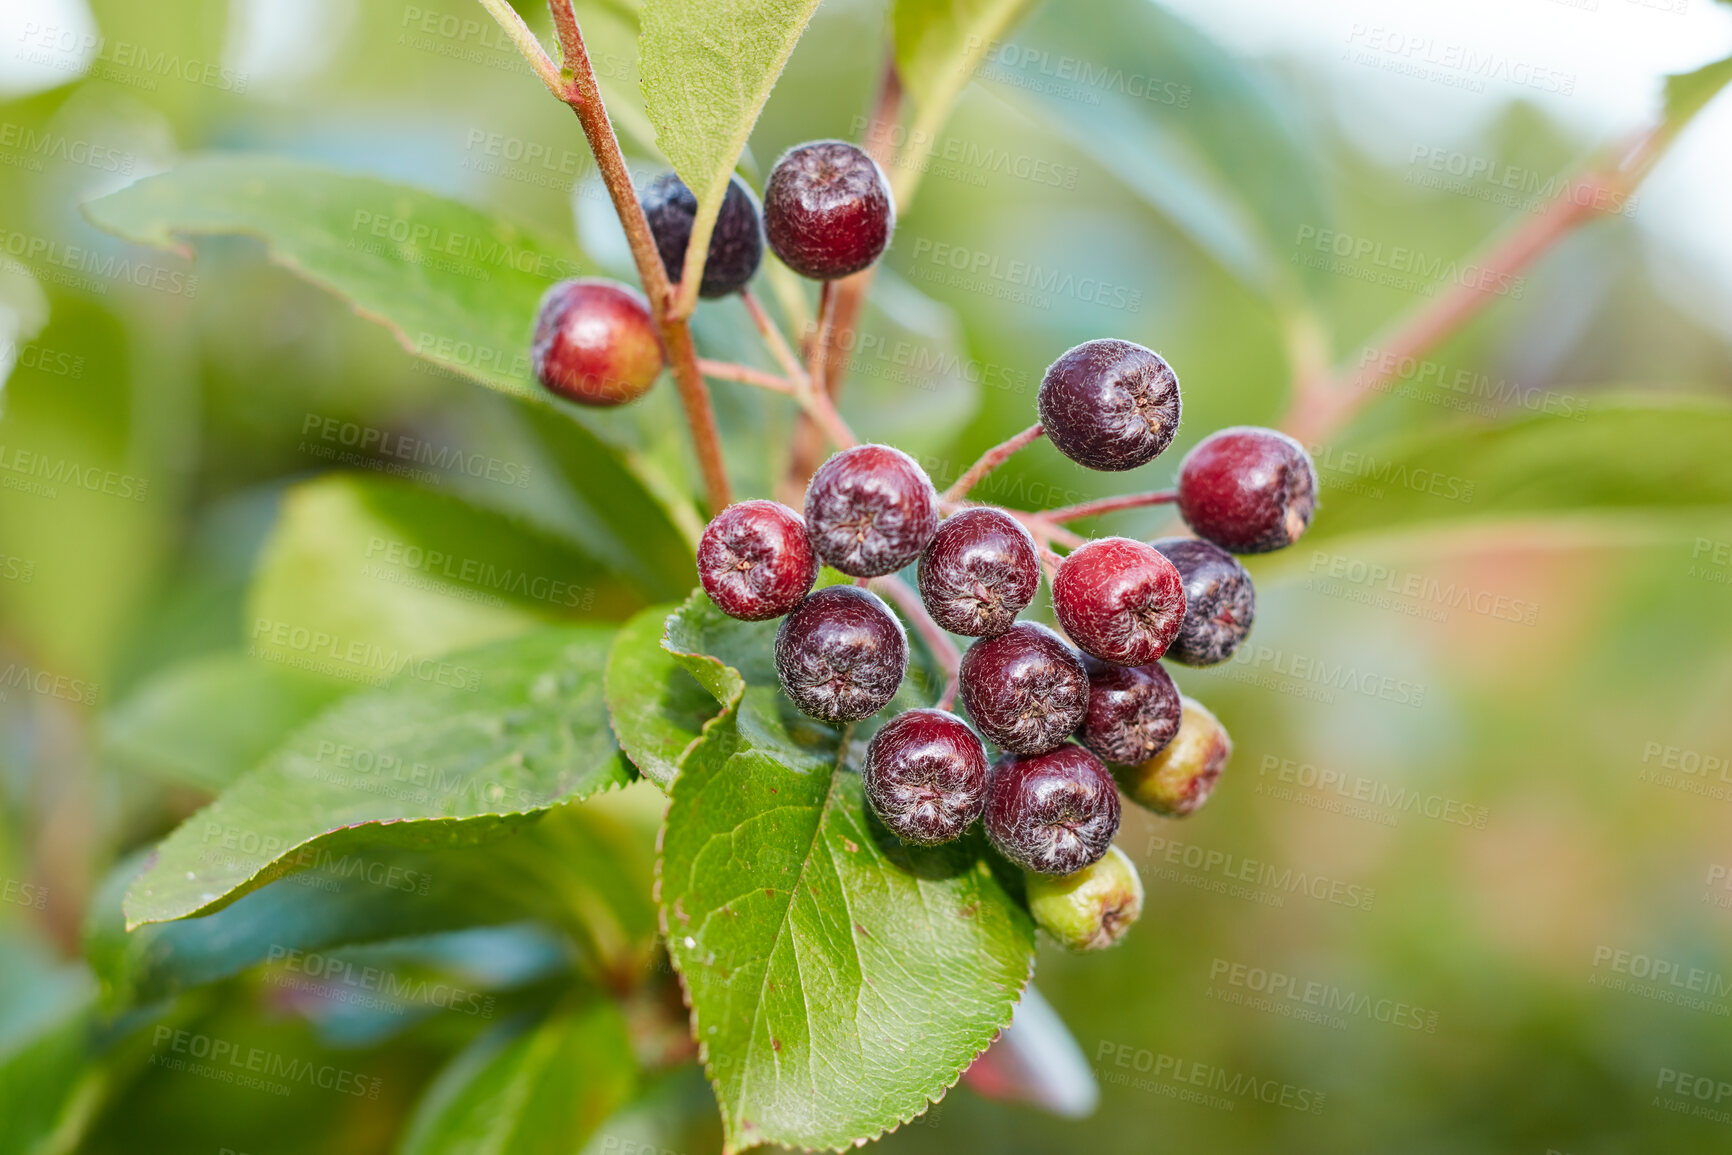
(1092, 908)
(1052, 813)
(870, 510)
(1133, 712)
(595, 342)
(1220, 601)
(1119, 600)
(925, 776)
(841, 654)
(828, 211)
(1026, 688)
(1248, 489)
(1110, 404)
(736, 245)
(978, 572)
(754, 560)
(1180, 778)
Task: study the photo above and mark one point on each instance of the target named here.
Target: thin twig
(772, 335)
(1110, 505)
(989, 461)
(746, 375)
(944, 650)
(817, 357)
(531, 48)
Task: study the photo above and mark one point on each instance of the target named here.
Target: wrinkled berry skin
(1092, 908)
(1220, 601)
(870, 510)
(1052, 813)
(841, 654)
(1248, 489)
(755, 562)
(979, 571)
(1026, 688)
(828, 211)
(925, 776)
(1110, 404)
(595, 342)
(736, 245)
(1133, 712)
(1119, 600)
(1180, 778)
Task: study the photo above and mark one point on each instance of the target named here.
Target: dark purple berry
(979, 571)
(1110, 404)
(736, 245)
(1052, 813)
(925, 776)
(1119, 600)
(1248, 489)
(841, 654)
(1181, 777)
(828, 210)
(1220, 601)
(755, 561)
(595, 342)
(1026, 688)
(1133, 712)
(870, 510)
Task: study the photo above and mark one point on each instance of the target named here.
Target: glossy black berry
(754, 560)
(1248, 489)
(595, 342)
(979, 571)
(870, 510)
(1052, 813)
(736, 245)
(1119, 600)
(841, 654)
(1220, 601)
(925, 776)
(828, 211)
(1133, 712)
(1026, 688)
(1110, 404)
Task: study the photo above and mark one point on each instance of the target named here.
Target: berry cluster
(1077, 717)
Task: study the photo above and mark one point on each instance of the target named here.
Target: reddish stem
(1111, 505)
(989, 461)
(943, 649)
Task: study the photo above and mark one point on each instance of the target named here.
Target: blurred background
(1467, 885)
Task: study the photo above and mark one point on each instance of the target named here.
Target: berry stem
(746, 375)
(531, 48)
(773, 339)
(817, 354)
(944, 650)
(1110, 505)
(989, 461)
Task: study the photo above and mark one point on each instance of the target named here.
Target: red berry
(870, 510)
(595, 342)
(828, 210)
(1026, 688)
(925, 776)
(1119, 600)
(1248, 489)
(841, 654)
(1133, 712)
(755, 561)
(1220, 601)
(1052, 813)
(979, 571)
(1110, 404)
(736, 245)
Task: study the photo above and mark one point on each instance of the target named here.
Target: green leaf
(455, 752)
(657, 709)
(1615, 457)
(839, 980)
(706, 71)
(1687, 93)
(536, 1090)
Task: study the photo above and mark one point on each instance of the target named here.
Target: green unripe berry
(1092, 908)
(1178, 779)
